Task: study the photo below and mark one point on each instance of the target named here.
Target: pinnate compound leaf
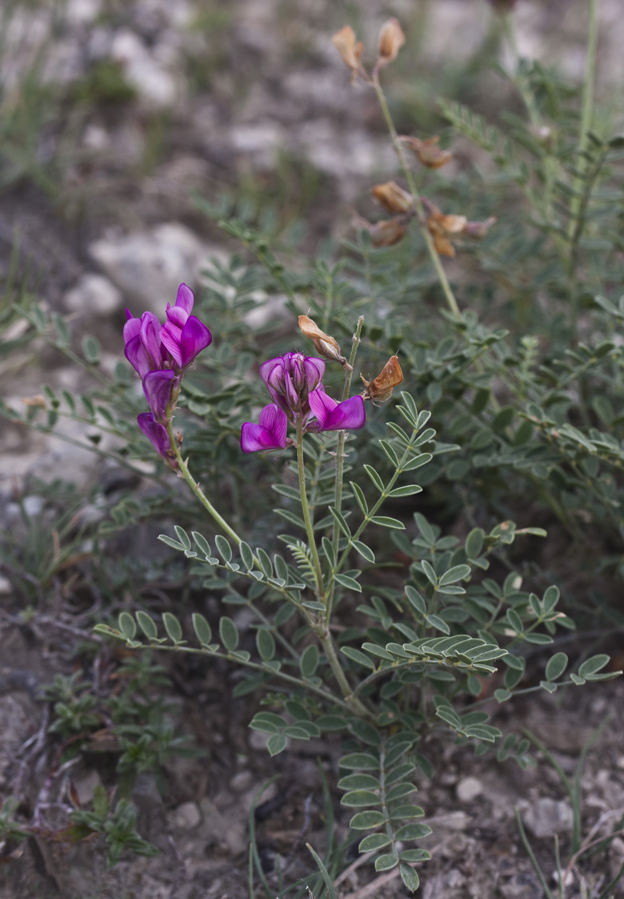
(457, 573)
(363, 550)
(182, 536)
(409, 490)
(366, 820)
(379, 484)
(265, 644)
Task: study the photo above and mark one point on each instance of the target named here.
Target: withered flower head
(325, 345)
(427, 151)
(440, 226)
(385, 233)
(479, 229)
(350, 49)
(379, 390)
(391, 39)
(392, 197)
(35, 402)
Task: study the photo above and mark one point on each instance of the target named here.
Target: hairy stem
(340, 453)
(433, 253)
(199, 493)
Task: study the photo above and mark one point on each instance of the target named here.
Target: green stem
(320, 590)
(342, 435)
(190, 480)
(433, 253)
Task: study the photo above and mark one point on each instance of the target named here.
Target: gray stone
(94, 295)
(85, 786)
(187, 816)
(546, 817)
(241, 781)
(149, 266)
(522, 886)
(468, 789)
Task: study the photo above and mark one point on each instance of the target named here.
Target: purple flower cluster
(295, 383)
(159, 354)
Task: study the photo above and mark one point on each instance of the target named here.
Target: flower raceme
(290, 379)
(294, 382)
(160, 354)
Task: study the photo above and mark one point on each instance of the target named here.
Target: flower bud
(391, 39)
(392, 197)
(350, 49)
(427, 151)
(379, 390)
(325, 345)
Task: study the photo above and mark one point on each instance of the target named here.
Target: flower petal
(136, 355)
(275, 421)
(314, 370)
(157, 388)
(195, 337)
(322, 406)
(185, 299)
(150, 338)
(132, 327)
(155, 433)
(176, 315)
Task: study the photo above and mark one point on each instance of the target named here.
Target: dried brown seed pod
(350, 49)
(391, 39)
(427, 151)
(392, 197)
(324, 344)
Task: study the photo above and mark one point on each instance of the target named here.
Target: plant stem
(342, 435)
(199, 493)
(433, 253)
(320, 590)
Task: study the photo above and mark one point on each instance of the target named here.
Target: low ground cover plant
(375, 474)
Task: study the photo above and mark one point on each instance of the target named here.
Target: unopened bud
(392, 197)
(427, 151)
(379, 390)
(350, 49)
(391, 39)
(325, 345)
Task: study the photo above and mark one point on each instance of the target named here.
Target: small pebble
(187, 816)
(468, 789)
(241, 781)
(546, 817)
(5, 586)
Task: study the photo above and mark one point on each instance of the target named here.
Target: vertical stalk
(199, 493)
(433, 253)
(342, 435)
(320, 590)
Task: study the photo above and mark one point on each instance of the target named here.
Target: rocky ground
(246, 103)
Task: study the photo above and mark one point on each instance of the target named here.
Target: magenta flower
(157, 435)
(290, 379)
(333, 416)
(269, 434)
(183, 335)
(142, 339)
(157, 388)
(151, 346)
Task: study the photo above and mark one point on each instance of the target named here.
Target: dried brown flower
(440, 226)
(36, 402)
(325, 345)
(392, 197)
(350, 49)
(427, 151)
(391, 39)
(379, 390)
(479, 229)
